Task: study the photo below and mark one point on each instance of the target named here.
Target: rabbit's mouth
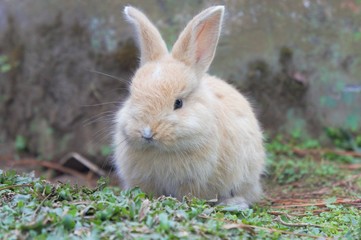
(149, 141)
(142, 141)
(158, 140)
(153, 143)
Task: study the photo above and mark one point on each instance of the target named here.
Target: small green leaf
(105, 150)
(357, 36)
(5, 68)
(232, 208)
(68, 222)
(331, 200)
(20, 204)
(3, 59)
(163, 221)
(20, 143)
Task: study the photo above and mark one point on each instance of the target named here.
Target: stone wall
(299, 62)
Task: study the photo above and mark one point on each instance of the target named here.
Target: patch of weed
(32, 208)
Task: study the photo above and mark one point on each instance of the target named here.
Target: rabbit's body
(210, 148)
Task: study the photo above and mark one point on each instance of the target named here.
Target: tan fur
(212, 146)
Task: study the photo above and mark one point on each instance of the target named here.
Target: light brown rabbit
(182, 131)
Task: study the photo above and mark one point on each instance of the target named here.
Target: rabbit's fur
(209, 147)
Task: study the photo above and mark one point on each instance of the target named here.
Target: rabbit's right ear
(152, 46)
(197, 43)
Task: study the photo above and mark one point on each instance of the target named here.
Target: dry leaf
(144, 209)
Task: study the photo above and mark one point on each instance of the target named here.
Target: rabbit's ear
(152, 46)
(197, 43)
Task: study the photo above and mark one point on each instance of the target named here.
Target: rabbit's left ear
(152, 46)
(197, 43)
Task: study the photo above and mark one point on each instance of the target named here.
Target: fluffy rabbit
(182, 131)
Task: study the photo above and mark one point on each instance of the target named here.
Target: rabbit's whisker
(99, 104)
(111, 76)
(97, 117)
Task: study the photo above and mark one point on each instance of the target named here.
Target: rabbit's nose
(147, 134)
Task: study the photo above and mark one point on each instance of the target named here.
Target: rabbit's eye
(178, 104)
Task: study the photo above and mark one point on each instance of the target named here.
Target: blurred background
(63, 66)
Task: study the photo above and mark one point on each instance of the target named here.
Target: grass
(308, 195)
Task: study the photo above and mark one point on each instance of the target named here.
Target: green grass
(32, 208)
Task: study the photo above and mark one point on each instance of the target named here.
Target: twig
(232, 225)
(301, 212)
(354, 166)
(80, 202)
(291, 200)
(15, 186)
(319, 211)
(276, 175)
(343, 182)
(247, 227)
(42, 203)
(341, 201)
(323, 151)
(51, 165)
(278, 219)
(83, 161)
(304, 196)
(289, 215)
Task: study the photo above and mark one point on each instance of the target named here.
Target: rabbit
(181, 131)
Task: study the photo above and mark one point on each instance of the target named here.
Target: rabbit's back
(241, 152)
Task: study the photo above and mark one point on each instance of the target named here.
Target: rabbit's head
(169, 107)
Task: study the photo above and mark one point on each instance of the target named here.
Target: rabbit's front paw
(240, 202)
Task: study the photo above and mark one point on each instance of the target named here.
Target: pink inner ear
(197, 43)
(205, 40)
(199, 47)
